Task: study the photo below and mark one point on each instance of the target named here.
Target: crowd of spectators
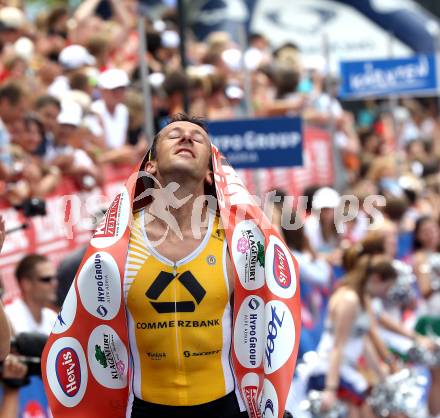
(71, 102)
(71, 94)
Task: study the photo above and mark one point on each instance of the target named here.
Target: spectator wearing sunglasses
(36, 276)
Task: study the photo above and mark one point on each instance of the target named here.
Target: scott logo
(68, 371)
(107, 228)
(281, 270)
(254, 304)
(272, 332)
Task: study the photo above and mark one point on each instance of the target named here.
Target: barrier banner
(259, 143)
(91, 330)
(416, 76)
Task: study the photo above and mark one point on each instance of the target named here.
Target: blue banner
(259, 143)
(416, 76)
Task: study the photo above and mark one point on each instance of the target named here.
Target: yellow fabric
(180, 352)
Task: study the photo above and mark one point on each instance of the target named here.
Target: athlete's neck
(187, 209)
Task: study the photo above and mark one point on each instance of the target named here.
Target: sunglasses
(46, 279)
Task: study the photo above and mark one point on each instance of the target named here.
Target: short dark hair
(145, 183)
(26, 266)
(179, 117)
(46, 100)
(12, 92)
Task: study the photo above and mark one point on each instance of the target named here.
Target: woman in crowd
(29, 176)
(321, 227)
(315, 276)
(349, 319)
(426, 261)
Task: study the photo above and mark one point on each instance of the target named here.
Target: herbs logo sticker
(108, 358)
(280, 269)
(248, 254)
(66, 371)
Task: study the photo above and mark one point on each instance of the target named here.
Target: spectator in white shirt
(36, 276)
(113, 112)
(71, 160)
(71, 58)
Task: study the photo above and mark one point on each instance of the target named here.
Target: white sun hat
(326, 197)
(112, 79)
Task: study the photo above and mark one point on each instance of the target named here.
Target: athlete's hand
(328, 399)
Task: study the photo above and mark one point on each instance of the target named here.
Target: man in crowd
(36, 276)
(113, 112)
(11, 109)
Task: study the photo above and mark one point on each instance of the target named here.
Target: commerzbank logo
(163, 280)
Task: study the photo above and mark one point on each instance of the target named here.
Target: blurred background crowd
(72, 105)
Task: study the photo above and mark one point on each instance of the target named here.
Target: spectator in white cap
(72, 161)
(12, 24)
(111, 109)
(321, 226)
(71, 58)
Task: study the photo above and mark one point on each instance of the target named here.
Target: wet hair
(367, 265)
(179, 117)
(145, 183)
(26, 266)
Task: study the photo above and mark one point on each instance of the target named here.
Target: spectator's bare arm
(48, 182)
(121, 13)
(5, 330)
(85, 10)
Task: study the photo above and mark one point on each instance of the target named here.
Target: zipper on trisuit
(179, 360)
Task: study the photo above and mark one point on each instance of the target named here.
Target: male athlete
(180, 340)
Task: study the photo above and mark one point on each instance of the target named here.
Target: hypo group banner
(417, 75)
(259, 143)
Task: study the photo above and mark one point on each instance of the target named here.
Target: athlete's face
(182, 148)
